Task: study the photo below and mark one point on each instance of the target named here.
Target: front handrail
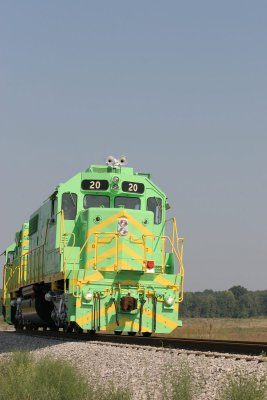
(177, 253)
(111, 235)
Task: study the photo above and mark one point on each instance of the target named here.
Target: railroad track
(201, 345)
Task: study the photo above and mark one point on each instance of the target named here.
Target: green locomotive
(95, 257)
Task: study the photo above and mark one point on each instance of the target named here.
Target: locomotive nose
(116, 239)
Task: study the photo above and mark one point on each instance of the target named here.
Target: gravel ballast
(139, 368)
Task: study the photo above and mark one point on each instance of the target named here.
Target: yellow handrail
(175, 249)
(111, 235)
(75, 262)
(62, 245)
(30, 262)
(66, 258)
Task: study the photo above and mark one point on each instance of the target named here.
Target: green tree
(238, 291)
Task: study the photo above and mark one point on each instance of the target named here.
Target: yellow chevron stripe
(113, 218)
(124, 248)
(128, 325)
(97, 276)
(135, 239)
(87, 318)
(161, 319)
(110, 252)
(138, 225)
(105, 223)
(90, 247)
(101, 257)
(122, 264)
(163, 281)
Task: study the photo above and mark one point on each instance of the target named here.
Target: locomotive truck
(96, 257)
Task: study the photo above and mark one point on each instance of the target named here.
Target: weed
(22, 378)
(178, 385)
(183, 386)
(243, 387)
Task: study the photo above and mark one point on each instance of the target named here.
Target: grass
(183, 386)
(243, 387)
(22, 378)
(251, 329)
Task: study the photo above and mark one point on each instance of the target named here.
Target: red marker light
(150, 264)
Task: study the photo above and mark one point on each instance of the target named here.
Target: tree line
(237, 302)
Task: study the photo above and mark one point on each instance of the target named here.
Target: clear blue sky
(180, 88)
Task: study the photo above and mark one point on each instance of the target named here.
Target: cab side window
(53, 209)
(154, 204)
(69, 205)
(10, 257)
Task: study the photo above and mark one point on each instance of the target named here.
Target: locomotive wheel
(131, 333)
(67, 328)
(118, 332)
(19, 328)
(77, 329)
(28, 327)
(54, 328)
(147, 334)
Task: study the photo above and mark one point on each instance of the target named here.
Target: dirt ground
(254, 329)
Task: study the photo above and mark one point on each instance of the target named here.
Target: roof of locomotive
(115, 170)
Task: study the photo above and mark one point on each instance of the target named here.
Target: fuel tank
(33, 309)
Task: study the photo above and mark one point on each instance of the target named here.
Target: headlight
(123, 227)
(115, 179)
(88, 296)
(169, 300)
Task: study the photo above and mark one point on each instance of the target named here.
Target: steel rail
(204, 345)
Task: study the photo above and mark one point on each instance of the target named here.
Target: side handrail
(75, 262)
(62, 246)
(66, 258)
(30, 263)
(178, 255)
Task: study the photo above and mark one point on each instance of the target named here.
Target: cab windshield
(133, 203)
(91, 200)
